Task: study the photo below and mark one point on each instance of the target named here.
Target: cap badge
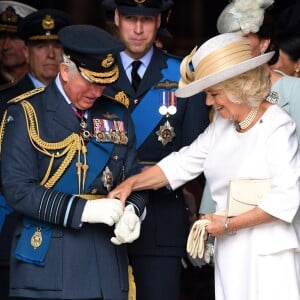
(139, 1)
(48, 23)
(108, 61)
(9, 15)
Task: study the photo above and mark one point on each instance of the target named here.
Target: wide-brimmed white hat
(220, 58)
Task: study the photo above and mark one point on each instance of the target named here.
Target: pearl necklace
(248, 120)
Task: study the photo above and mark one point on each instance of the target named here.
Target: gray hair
(70, 64)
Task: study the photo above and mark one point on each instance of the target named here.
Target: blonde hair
(251, 87)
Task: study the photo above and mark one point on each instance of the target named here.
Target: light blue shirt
(35, 81)
(127, 63)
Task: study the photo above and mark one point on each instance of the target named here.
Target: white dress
(261, 262)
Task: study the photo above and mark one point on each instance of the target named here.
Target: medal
(172, 108)
(110, 131)
(36, 239)
(168, 103)
(163, 108)
(85, 133)
(166, 133)
(107, 179)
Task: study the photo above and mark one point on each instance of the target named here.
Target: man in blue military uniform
(13, 65)
(43, 51)
(163, 124)
(63, 150)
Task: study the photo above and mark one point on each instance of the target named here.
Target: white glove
(104, 210)
(127, 228)
(196, 240)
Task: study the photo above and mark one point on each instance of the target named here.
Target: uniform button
(136, 101)
(115, 157)
(94, 191)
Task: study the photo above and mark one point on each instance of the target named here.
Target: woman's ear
(264, 45)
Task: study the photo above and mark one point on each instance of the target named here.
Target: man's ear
(117, 17)
(26, 53)
(64, 71)
(158, 21)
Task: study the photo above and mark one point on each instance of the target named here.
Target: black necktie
(135, 77)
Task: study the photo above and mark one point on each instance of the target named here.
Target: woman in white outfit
(257, 253)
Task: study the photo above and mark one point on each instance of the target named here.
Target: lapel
(60, 111)
(151, 77)
(153, 73)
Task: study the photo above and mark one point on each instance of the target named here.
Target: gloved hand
(107, 211)
(127, 229)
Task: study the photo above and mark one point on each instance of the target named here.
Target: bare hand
(122, 191)
(216, 226)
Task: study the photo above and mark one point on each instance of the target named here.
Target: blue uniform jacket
(81, 261)
(165, 229)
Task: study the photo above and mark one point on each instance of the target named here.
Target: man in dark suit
(72, 148)
(163, 124)
(43, 51)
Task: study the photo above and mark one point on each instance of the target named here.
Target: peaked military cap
(166, 5)
(11, 13)
(93, 50)
(44, 24)
(111, 5)
(139, 7)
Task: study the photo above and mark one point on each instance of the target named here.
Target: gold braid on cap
(101, 77)
(67, 147)
(187, 76)
(9, 16)
(43, 37)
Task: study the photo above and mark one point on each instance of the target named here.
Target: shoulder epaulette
(26, 95)
(120, 97)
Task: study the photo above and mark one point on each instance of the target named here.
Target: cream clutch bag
(245, 194)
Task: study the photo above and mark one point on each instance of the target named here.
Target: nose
(138, 28)
(209, 100)
(50, 51)
(97, 89)
(6, 43)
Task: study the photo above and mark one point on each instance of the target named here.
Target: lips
(219, 107)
